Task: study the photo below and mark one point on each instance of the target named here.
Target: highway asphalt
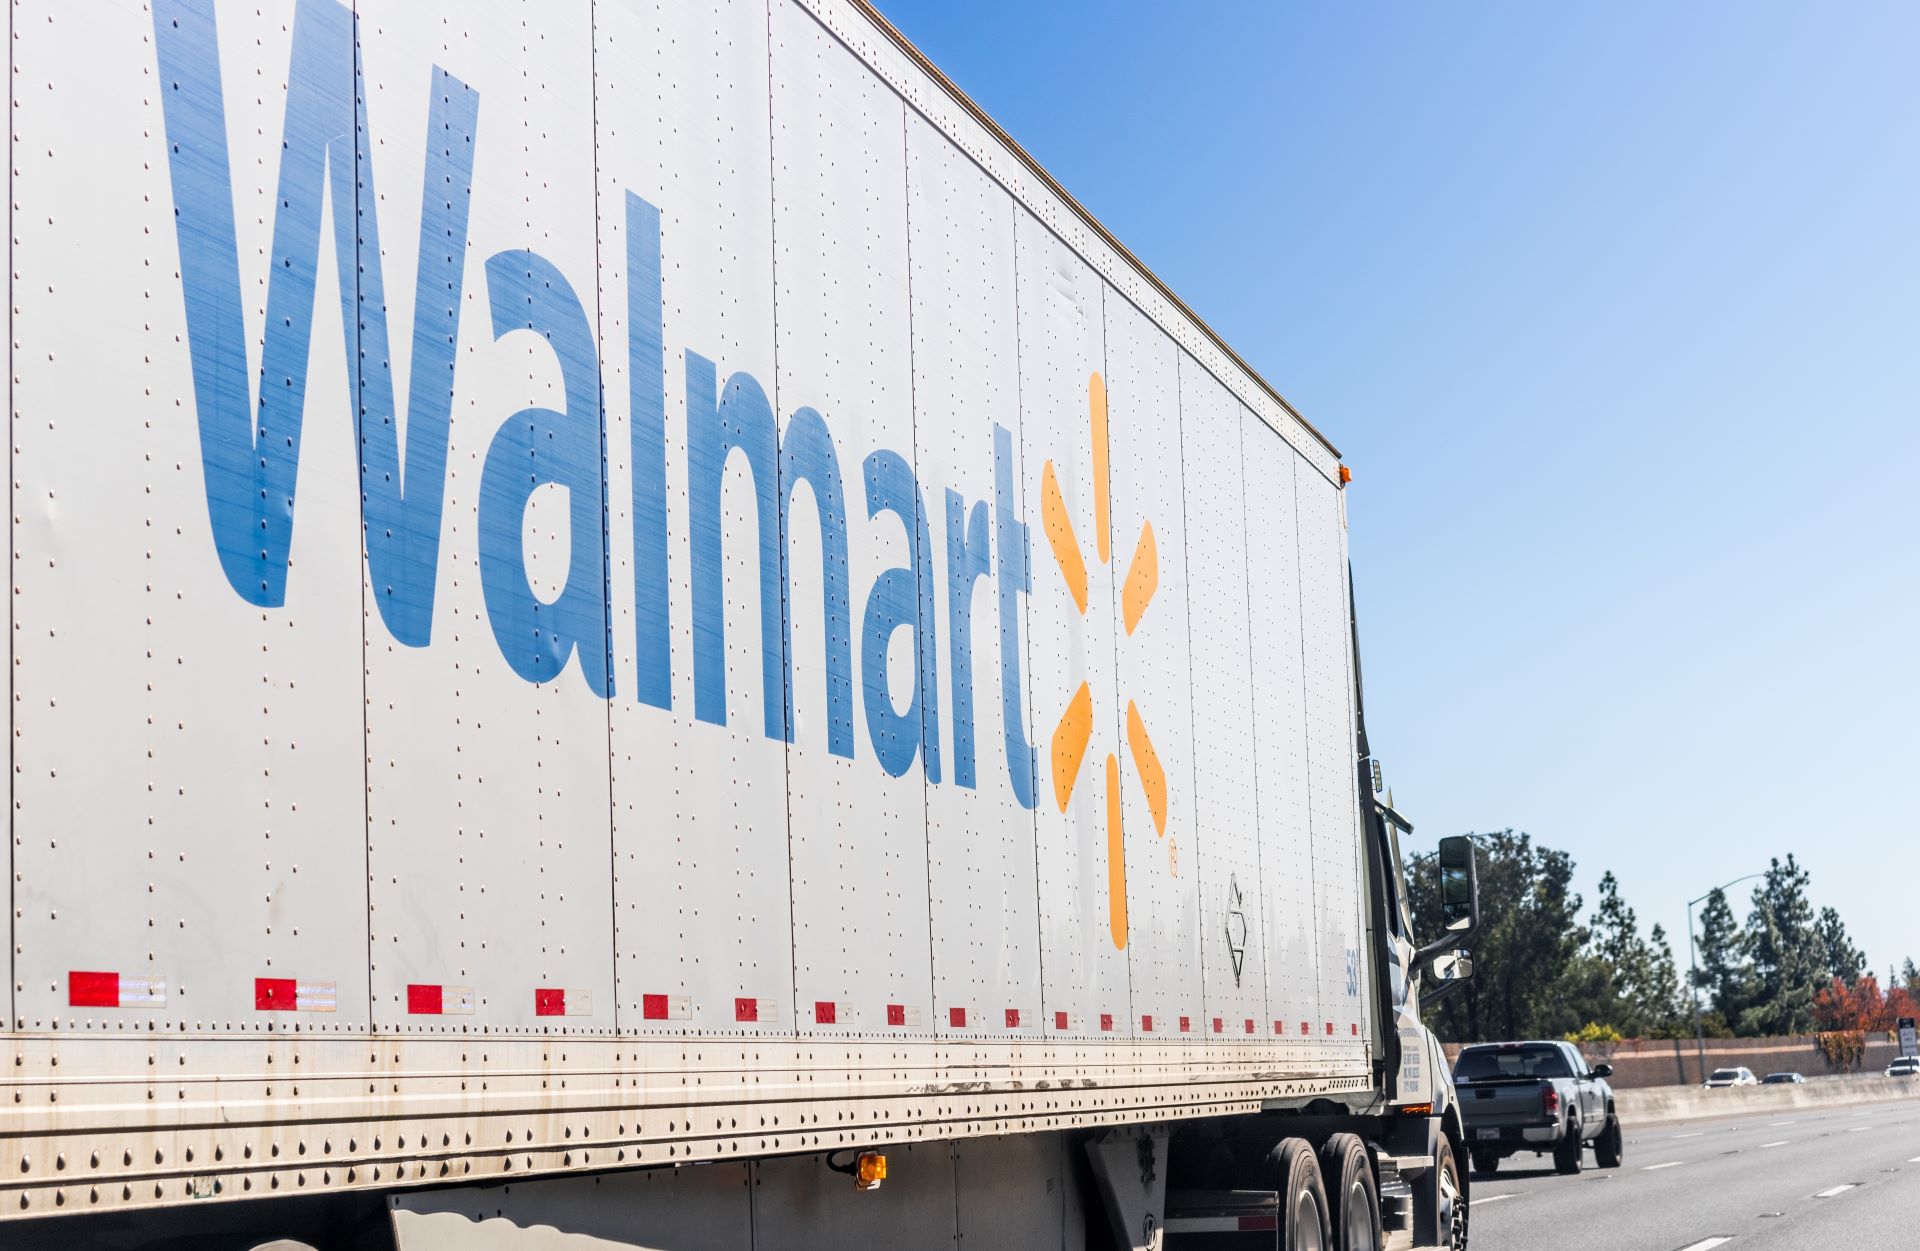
(1801, 1181)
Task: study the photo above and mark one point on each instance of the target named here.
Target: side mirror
(1449, 969)
(1603, 1070)
(1459, 885)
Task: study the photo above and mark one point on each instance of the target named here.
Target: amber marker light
(1346, 475)
(868, 1169)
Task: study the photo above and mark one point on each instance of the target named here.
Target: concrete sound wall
(1685, 1103)
(1640, 1063)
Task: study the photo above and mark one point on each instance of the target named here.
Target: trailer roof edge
(926, 65)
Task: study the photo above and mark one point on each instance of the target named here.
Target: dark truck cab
(1540, 1097)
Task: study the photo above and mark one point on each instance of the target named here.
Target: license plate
(1484, 1134)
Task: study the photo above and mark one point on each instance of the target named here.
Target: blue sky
(1614, 310)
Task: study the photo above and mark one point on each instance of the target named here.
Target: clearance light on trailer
(868, 1169)
(1346, 475)
(1417, 1109)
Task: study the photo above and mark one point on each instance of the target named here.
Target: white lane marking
(1914, 1160)
(1860, 1129)
(1707, 1244)
(1783, 1142)
(1698, 1133)
(1773, 1124)
(1669, 1164)
(1491, 1198)
(1835, 1190)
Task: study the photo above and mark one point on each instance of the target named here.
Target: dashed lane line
(1708, 1244)
(1491, 1198)
(1831, 1191)
(1783, 1142)
(1669, 1164)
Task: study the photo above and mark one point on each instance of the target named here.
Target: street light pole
(1693, 974)
(1693, 993)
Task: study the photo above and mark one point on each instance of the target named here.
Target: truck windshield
(1487, 1064)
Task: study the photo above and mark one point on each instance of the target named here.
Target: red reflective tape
(1259, 1222)
(1013, 1018)
(957, 1018)
(1278, 1028)
(1356, 1029)
(1059, 1020)
(826, 1012)
(1218, 1025)
(896, 1014)
(746, 1009)
(1106, 1020)
(1249, 1025)
(653, 1007)
(93, 990)
(1186, 1025)
(549, 1001)
(276, 994)
(1329, 1027)
(1305, 1029)
(423, 1000)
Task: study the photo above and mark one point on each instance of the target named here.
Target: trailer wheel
(1356, 1194)
(1611, 1146)
(1304, 1222)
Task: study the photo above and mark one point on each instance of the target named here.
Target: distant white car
(1732, 1077)
(1905, 1066)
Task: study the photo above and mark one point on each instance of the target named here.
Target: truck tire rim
(1306, 1224)
(1453, 1213)
(1359, 1219)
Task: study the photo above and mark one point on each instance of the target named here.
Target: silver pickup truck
(1539, 1097)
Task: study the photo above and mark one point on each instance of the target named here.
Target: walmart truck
(629, 630)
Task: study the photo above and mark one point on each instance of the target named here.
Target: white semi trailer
(620, 610)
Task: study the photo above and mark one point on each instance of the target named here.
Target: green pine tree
(1723, 973)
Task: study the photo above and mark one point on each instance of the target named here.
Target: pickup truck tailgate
(1503, 1104)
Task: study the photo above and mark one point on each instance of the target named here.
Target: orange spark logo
(1075, 730)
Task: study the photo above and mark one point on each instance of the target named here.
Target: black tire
(1486, 1162)
(1567, 1152)
(1611, 1146)
(1305, 1223)
(1440, 1202)
(1354, 1196)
